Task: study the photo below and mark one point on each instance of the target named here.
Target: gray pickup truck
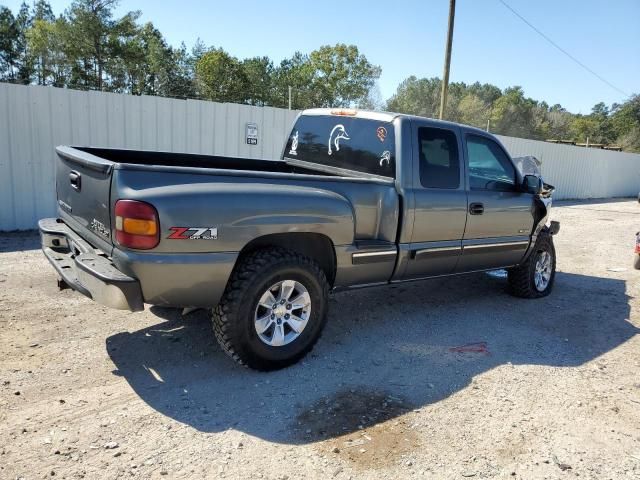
(358, 199)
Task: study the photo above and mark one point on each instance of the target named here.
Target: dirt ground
(439, 379)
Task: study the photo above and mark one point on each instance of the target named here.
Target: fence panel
(579, 172)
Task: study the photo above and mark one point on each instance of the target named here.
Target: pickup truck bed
(196, 190)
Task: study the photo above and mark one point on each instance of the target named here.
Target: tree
(128, 63)
(373, 101)
(15, 62)
(221, 77)
(474, 111)
(341, 76)
(583, 128)
(43, 41)
(259, 75)
(91, 23)
(512, 114)
(180, 74)
(417, 97)
(42, 11)
(47, 45)
(295, 72)
(604, 131)
(625, 122)
(8, 44)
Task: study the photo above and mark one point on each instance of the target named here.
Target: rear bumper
(85, 270)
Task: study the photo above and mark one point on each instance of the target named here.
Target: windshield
(357, 144)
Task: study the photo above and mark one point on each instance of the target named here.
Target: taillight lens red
(137, 224)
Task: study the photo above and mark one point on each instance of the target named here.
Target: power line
(602, 79)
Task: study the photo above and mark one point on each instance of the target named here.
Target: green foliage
(510, 112)
(259, 77)
(625, 123)
(417, 97)
(47, 44)
(337, 76)
(340, 76)
(221, 77)
(8, 44)
(16, 64)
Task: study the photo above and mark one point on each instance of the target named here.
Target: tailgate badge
(193, 233)
(99, 227)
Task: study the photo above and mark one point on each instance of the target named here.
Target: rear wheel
(535, 277)
(273, 310)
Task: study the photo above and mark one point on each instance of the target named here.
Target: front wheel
(535, 277)
(273, 310)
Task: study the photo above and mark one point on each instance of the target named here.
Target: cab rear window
(351, 143)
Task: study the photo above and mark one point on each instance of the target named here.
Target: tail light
(137, 224)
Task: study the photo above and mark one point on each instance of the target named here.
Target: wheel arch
(316, 246)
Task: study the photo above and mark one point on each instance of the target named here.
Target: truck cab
(464, 204)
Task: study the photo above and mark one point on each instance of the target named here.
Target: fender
(541, 209)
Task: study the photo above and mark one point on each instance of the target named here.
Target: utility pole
(290, 97)
(447, 59)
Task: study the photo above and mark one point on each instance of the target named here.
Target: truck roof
(381, 116)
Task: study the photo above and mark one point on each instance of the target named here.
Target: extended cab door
(500, 214)
(440, 200)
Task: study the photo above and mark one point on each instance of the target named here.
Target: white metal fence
(33, 120)
(579, 172)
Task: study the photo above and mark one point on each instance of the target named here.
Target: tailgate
(83, 186)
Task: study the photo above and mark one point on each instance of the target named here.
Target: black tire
(233, 318)
(522, 278)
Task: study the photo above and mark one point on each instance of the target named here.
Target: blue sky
(406, 37)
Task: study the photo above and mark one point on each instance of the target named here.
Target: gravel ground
(544, 388)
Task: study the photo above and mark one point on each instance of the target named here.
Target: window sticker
(294, 145)
(385, 158)
(381, 133)
(337, 133)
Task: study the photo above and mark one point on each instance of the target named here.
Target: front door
(500, 215)
(440, 201)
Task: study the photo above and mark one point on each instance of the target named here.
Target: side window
(489, 166)
(439, 160)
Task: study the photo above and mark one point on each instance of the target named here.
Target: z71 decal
(193, 233)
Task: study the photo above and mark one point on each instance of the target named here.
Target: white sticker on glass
(294, 145)
(385, 158)
(337, 133)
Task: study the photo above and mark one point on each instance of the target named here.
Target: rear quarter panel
(240, 211)
(243, 208)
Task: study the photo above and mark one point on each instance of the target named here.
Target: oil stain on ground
(367, 428)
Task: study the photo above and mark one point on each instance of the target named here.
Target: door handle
(476, 209)
(75, 180)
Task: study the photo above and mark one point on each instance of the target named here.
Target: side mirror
(532, 184)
